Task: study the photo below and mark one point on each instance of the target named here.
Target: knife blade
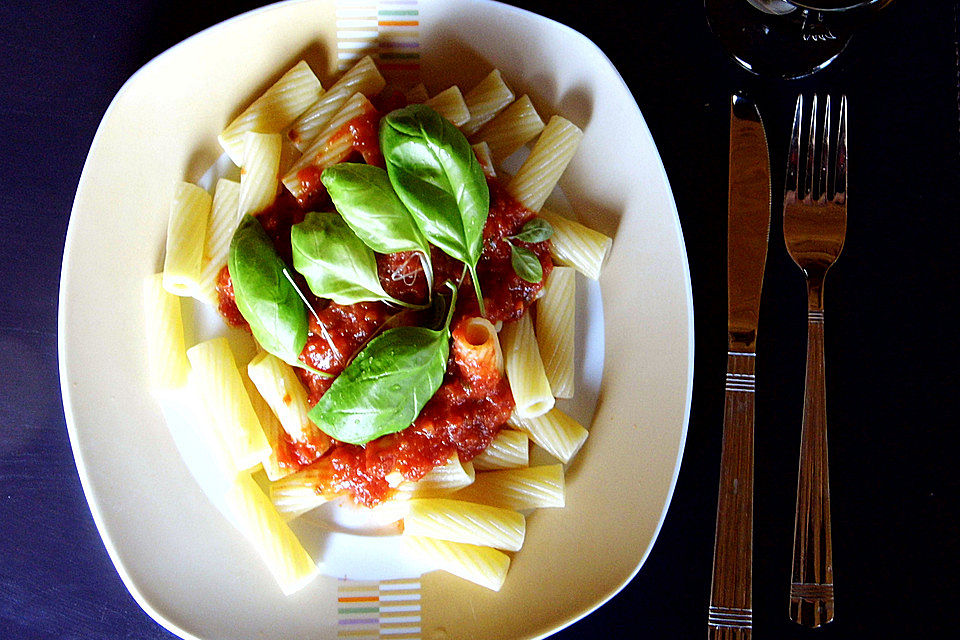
(730, 614)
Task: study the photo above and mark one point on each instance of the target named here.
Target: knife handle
(730, 616)
(811, 580)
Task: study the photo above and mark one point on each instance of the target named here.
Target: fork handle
(811, 581)
(730, 616)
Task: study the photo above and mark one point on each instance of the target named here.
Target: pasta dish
(412, 307)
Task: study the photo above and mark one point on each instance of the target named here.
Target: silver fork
(814, 226)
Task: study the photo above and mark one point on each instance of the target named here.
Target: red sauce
(465, 414)
(226, 302)
(506, 295)
(335, 339)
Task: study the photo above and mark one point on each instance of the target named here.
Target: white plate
(182, 561)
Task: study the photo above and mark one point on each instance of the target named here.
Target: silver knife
(748, 229)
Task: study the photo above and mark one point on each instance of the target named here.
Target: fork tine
(840, 180)
(811, 147)
(823, 177)
(793, 154)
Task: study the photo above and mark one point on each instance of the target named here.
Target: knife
(748, 229)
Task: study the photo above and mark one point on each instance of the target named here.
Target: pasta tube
(224, 218)
(282, 390)
(509, 450)
(328, 148)
(185, 234)
(517, 489)
(459, 521)
(524, 367)
(277, 545)
(481, 565)
(295, 494)
(272, 429)
(555, 329)
(273, 111)
(556, 432)
(449, 104)
(485, 101)
(218, 453)
(261, 168)
(548, 159)
(514, 127)
(580, 247)
(166, 354)
(482, 151)
(477, 352)
(440, 481)
(218, 379)
(362, 78)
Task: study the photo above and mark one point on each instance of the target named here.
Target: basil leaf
(335, 262)
(439, 179)
(368, 204)
(386, 385)
(536, 230)
(265, 297)
(526, 264)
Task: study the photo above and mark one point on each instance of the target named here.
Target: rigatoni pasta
(517, 489)
(524, 367)
(441, 481)
(450, 104)
(556, 432)
(548, 159)
(258, 520)
(576, 245)
(274, 110)
(484, 566)
(327, 149)
(363, 78)
(259, 173)
(556, 319)
(458, 521)
(512, 128)
(185, 234)
(284, 393)
(456, 468)
(218, 379)
(486, 100)
(223, 220)
(509, 450)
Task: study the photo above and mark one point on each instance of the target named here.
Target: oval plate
(182, 561)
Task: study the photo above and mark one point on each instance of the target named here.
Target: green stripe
(398, 12)
(399, 56)
(358, 610)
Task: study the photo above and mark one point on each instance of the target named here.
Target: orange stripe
(358, 599)
(399, 23)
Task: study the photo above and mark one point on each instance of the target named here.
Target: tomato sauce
(462, 417)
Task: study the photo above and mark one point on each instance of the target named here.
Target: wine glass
(787, 38)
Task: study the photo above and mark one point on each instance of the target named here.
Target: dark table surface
(892, 356)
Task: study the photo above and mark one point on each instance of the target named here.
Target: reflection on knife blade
(730, 614)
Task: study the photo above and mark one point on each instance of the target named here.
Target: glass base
(765, 38)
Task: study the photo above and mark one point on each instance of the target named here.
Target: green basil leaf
(526, 264)
(386, 385)
(265, 297)
(438, 178)
(536, 230)
(335, 262)
(368, 204)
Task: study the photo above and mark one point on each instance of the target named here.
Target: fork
(814, 226)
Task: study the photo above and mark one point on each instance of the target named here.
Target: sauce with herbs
(461, 417)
